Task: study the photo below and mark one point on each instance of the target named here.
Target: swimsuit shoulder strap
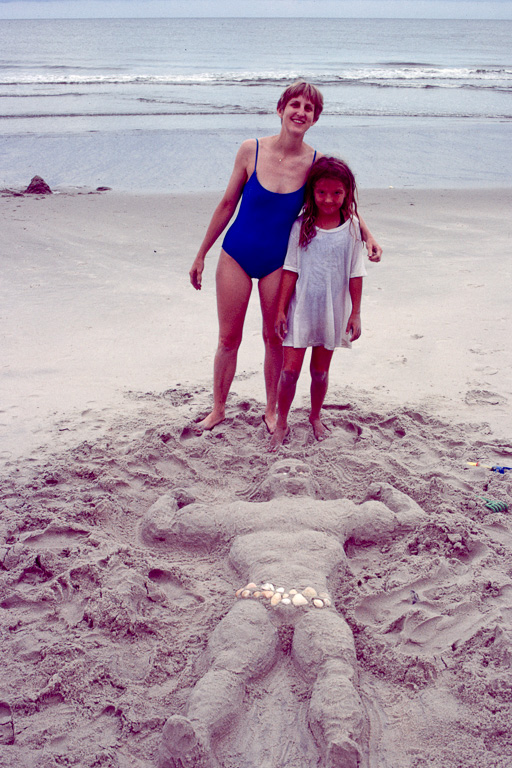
(256, 158)
(314, 158)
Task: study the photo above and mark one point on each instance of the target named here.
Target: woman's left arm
(372, 246)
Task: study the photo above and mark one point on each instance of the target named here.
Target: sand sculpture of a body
(284, 550)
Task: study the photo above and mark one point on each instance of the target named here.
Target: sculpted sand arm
(386, 512)
(195, 525)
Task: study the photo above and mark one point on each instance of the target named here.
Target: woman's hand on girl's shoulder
(374, 249)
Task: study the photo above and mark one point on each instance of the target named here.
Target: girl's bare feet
(320, 430)
(278, 438)
(270, 421)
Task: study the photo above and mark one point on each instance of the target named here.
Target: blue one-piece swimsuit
(258, 237)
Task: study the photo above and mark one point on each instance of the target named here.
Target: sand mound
(102, 636)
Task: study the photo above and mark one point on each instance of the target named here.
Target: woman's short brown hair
(301, 88)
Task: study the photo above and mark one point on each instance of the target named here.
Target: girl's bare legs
(234, 288)
(292, 364)
(319, 369)
(268, 289)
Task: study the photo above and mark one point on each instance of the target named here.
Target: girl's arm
(225, 209)
(372, 246)
(286, 289)
(355, 287)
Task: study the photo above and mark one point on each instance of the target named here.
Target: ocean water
(162, 104)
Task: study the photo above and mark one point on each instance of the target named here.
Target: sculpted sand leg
(323, 648)
(242, 646)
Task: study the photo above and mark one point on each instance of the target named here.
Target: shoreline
(176, 154)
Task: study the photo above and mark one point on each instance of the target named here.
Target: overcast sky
(470, 9)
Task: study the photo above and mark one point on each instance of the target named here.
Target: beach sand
(107, 358)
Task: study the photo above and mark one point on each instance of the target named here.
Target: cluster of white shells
(281, 596)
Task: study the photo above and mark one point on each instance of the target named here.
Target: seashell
(267, 593)
(268, 586)
(252, 585)
(239, 592)
(318, 603)
(293, 592)
(246, 593)
(299, 600)
(275, 599)
(327, 602)
(285, 594)
(309, 592)
(256, 594)
(280, 589)
(323, 595)
(286, 601)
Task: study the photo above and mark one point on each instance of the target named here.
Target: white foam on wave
(389, 75)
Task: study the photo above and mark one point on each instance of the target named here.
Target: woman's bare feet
(209, 422)
(278, 438)
(320, 430)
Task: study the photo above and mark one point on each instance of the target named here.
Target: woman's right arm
(225, 209)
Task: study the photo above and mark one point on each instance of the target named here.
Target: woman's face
(298, 114)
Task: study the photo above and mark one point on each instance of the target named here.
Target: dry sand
(106, 358)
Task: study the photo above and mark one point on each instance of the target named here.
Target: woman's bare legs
(292, 364)
(268, 289)
(234, 288)
(319, 369)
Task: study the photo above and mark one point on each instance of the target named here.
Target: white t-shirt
(320, 306)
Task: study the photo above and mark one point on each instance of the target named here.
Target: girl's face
(329, 196)
(298, 114)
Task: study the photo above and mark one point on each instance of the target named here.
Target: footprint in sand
(6, 724)
(95, 738)
(188, 433)
(173, 589)
(418, 624)
(394, 424)
(400, 360)
(54, 536)
(129, 664)
(483, 397)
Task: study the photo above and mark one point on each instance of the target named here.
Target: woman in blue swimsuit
(269, 175)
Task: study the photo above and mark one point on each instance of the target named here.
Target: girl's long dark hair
(326, 168)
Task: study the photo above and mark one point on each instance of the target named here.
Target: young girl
(319, 302)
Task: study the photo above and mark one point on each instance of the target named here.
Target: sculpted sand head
(289, 477)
